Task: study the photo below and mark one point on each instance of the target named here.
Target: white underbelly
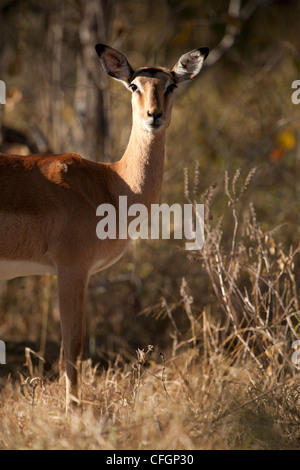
(10, 269)
(104, 263)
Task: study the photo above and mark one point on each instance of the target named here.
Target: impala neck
(141, 167)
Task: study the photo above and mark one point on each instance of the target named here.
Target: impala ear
(115, 63)
(190, 64)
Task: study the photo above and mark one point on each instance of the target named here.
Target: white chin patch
(153, 127)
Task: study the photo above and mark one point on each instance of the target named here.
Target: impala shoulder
(57, 168)
(73, 157)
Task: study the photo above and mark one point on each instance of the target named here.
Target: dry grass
(226, 381)
(203, 406)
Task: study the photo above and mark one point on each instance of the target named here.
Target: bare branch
(236, 19)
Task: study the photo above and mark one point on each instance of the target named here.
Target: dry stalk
(257, 307)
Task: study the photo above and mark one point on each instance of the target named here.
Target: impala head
(152, 87)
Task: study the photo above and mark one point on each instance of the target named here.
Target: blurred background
(238, 114)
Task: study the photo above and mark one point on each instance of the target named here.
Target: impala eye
(171, 88)
(132, 87)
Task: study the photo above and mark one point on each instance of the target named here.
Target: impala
(48, 203)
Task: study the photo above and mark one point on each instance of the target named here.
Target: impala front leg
(72, 286)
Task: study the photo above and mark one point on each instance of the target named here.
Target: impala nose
(154, 121)
(155, 115)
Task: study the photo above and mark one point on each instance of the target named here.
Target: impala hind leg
(72, 286)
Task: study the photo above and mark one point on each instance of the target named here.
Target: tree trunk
(92, 97)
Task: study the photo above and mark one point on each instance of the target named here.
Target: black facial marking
(151, 72)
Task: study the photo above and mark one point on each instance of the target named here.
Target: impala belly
(10, 269)
(107, 261)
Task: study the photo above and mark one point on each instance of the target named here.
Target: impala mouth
(153, 125)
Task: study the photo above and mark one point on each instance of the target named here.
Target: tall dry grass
(226, 381)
